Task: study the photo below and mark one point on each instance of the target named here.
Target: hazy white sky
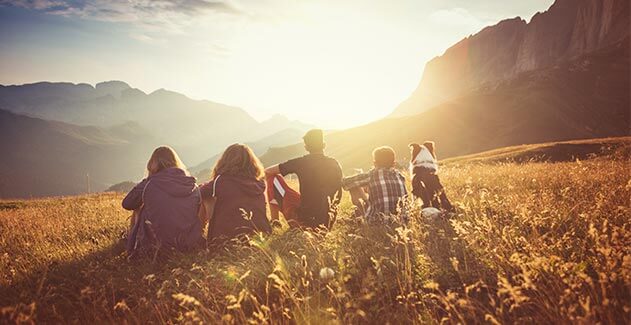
(331, 63)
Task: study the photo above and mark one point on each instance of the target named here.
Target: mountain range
(197, 128)
(564, 75)
(64, 138)
(46, 158)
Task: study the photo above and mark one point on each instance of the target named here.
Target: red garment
(284, 197)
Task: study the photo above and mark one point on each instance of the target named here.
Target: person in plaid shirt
(385, 188)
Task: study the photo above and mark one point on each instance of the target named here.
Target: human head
(431, 147)
(162, 158)
(314, 141)
(415, 148)
(383, 157)
(238, 160)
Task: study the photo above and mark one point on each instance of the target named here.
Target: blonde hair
(162, 158)
(238, 160)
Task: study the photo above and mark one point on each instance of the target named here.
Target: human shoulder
(292, 165)
(333, 162)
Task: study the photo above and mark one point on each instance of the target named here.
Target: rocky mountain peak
(569, 28)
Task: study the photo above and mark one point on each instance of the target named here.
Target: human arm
(133, 199)
(207, 190)
(208, 199)
(206, 209)
(272, 170)
(359, 180)
(288, 167)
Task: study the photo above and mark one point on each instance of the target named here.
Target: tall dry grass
(534, 243)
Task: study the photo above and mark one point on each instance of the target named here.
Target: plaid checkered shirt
(386, 191)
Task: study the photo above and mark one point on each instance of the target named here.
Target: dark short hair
(383, 157)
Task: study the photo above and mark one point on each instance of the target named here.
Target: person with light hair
(237, 189)
(379, 193)
(166, 205)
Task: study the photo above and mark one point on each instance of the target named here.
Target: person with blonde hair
(238, 188)
(425, 181)
(166, 203)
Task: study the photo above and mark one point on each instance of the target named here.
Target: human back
(167, 202)
(319, 178)
(238, 188)
(320, 182)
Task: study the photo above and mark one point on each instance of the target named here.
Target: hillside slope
(45, 158)
(606, 148)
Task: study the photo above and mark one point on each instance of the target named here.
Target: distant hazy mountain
(45, 158)
(281, 123)
(200, 128)
(279, 139)
(544, 94)
(570, 28)
(56, 134)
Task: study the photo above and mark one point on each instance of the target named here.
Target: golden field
(532, 242)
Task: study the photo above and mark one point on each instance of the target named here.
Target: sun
(336, 73)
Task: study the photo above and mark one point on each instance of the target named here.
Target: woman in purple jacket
(239, 190)
(168, 200)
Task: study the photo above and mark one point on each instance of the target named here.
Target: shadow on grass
(82, 290)
(455, 265)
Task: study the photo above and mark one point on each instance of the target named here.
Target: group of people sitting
(171, 209)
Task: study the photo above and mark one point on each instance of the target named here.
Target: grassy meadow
(532, 242)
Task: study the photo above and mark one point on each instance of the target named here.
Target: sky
(331, 63)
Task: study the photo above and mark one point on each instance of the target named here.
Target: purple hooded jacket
(170, 201)
(236, 196)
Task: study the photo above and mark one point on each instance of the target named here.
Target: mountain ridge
(200, 127)
(585, 97)
(569, 28)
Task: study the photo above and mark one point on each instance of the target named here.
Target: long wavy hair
(162, 158)
(238, 160)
